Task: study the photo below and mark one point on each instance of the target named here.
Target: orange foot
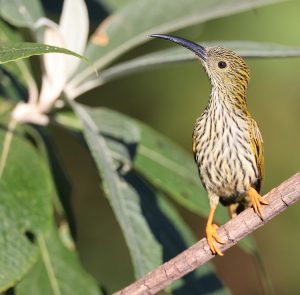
(212, 238)
(257, 200)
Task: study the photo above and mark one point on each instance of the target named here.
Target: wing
(194, 143)
(257, 146)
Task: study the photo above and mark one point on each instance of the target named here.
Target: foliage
(147, 178)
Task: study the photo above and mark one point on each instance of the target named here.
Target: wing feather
(257, 146)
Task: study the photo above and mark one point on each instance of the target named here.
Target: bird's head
(224, 67)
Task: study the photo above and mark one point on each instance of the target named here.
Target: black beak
(196, 48)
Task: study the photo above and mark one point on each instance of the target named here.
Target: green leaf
(57, 272)
(113, 5)
(127, 134)
(129, 26)
(12, 79)
(8, 34)
(10, 90)
(124, 199)
(25, 207)
(21, 13)
(15, 51)
(251, 49)
(247, 49)
(69, 120)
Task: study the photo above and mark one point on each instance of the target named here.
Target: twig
(234, 230)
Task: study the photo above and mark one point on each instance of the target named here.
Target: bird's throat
(231, 98)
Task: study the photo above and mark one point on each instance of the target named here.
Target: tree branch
(234, 230)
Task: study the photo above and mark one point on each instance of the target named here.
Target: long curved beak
(194, 47)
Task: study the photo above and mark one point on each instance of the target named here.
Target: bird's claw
(257, 201)
(212, 238)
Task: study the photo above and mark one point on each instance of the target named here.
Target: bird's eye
(222, 64)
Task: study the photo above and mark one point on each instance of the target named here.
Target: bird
(226, 141)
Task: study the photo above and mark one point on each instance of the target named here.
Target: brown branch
(234, 230)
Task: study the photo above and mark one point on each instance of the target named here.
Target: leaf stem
(6, 145)
(48, 265)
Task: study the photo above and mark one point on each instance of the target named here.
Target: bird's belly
(227, 166)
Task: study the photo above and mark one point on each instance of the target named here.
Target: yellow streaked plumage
(226, 141)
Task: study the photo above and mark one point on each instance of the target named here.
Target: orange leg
(211, 234)
(257, 200)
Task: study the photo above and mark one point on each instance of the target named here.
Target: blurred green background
(170, 99)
